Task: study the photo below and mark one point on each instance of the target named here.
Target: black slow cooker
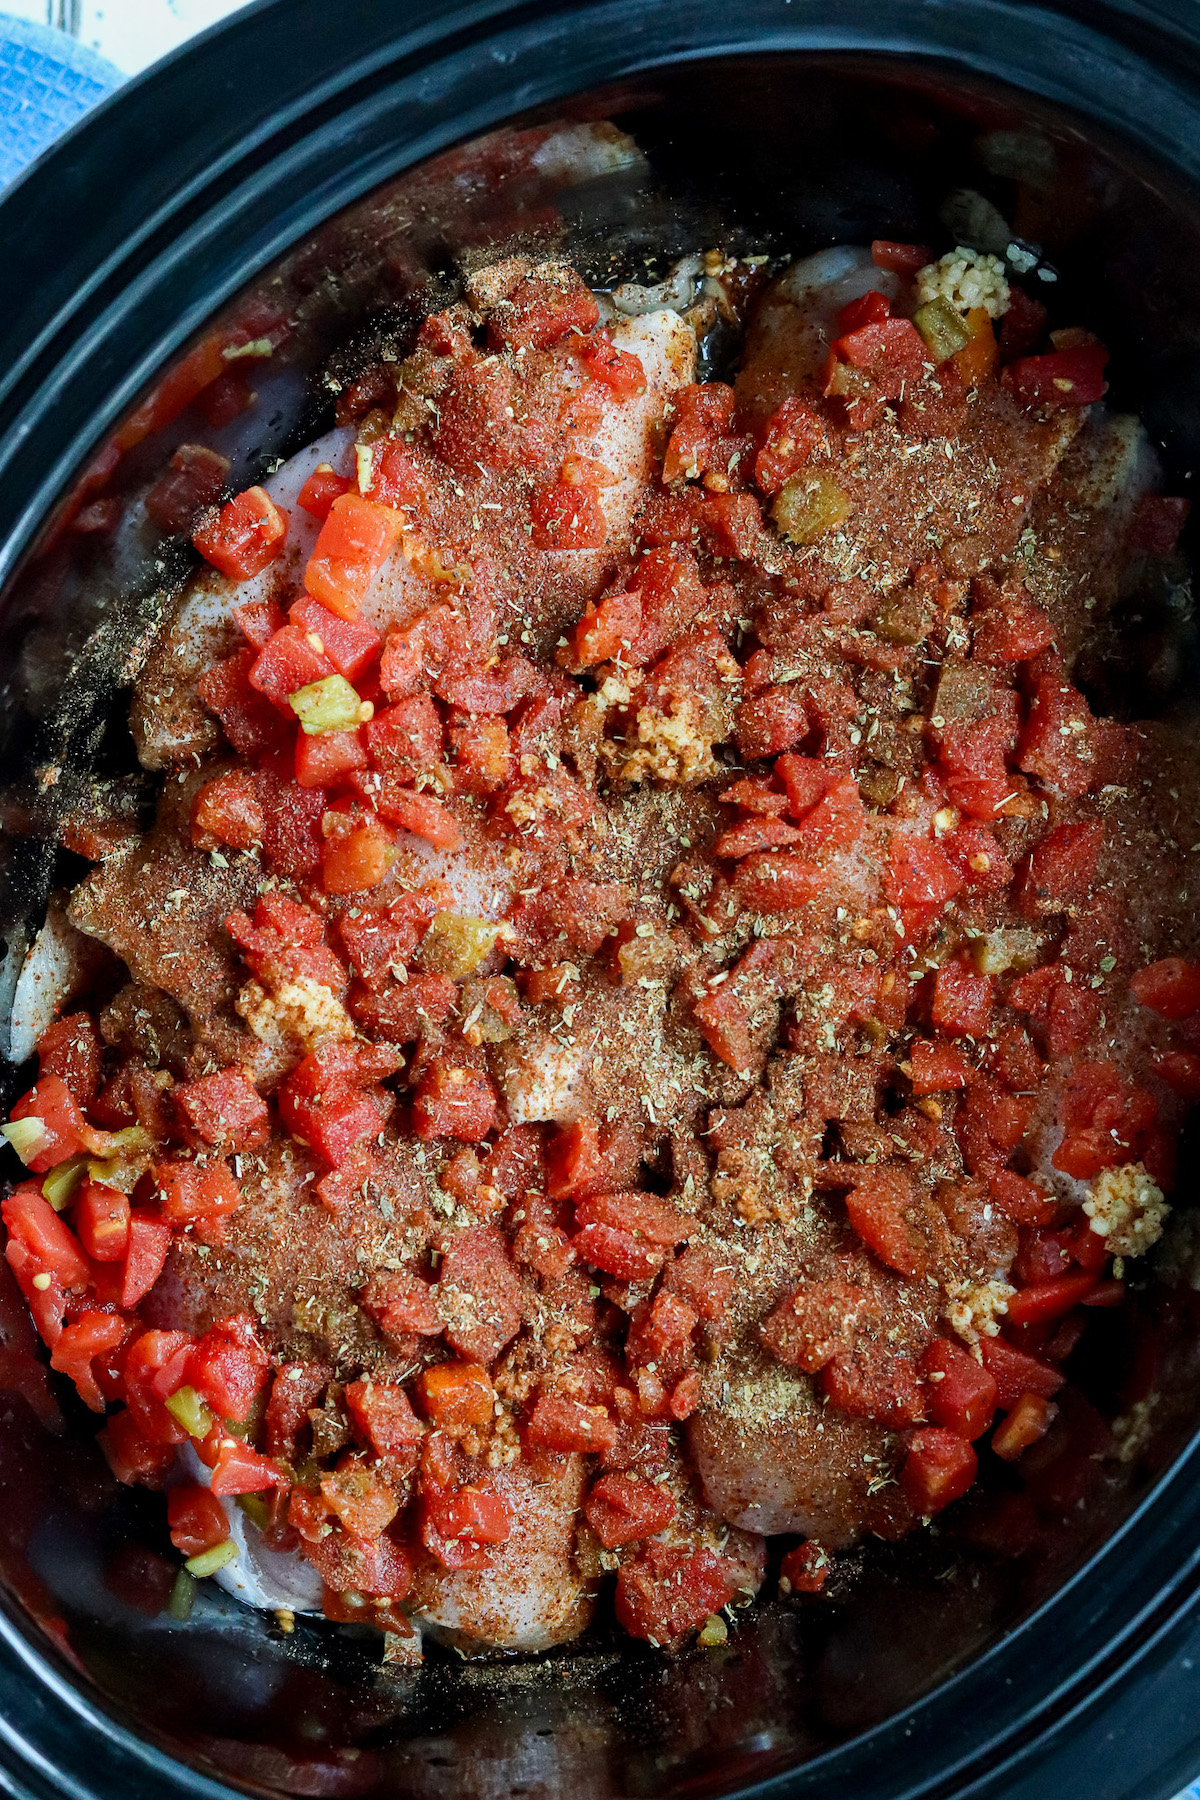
(281, 161)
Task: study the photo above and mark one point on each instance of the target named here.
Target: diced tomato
(1059, 379)
(396, 478)
(284, 943)
(1020, 1200)
(154, 1368)
(1180, 1071)
(456, 1395)
(406, 739)
(574, 1163)
(325, 1077)
(356, 859)
(939, 1468)
(249, 721)
(617, 1252)
(567, 518)
(938, 1067)
(1065, 1011)
(1042, 1257)
(224, 1108)
(459, 1527)
(770, 882)
(1024, 325)
(198, 1194)
(401, 1014)
(287, 662)
(1049, 1299)
(1011, 631)
(378, 942)
(454, 1102)
(836, 821)
(102, 1221)
(132, 1457)
(193, 480)
(237, 1469)
(71, 1049)
(875, 1384)
(46, 1258)
(900, 259)
(793, 433)
(962, 1392)
(297, 1386)
(1029, 1420)
(702, 414)
(227, 810)
(1058, 741)
(354, 543)
(918, 873)
(247, 534)
(545, 306)
(1015, 1373)
(481, 751)
(805, 780)
(879, 1208)
(962, 1000)
(803, 1570)
(322, 488)
(990, 1124)
(1097, 1095)
(351, 645)
(621, 1509)
(725, 1025)
(92, 1334)
(382, 1412)
(229, 1367)
(642, 1214)
(326, 759)
(866, 309)
(1171, 988)
(890, 351)
(481, 1296)
(64, 1130)
(558, 1422)
(196, 1519)
(1159, 521)
(770, 722)
(619, 370)
(668, 1591)
(412, 811)
(356, 1566)
(817, 1322)
(145, 1257)
(1062, 868)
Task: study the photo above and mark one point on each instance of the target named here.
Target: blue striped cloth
(47, 82)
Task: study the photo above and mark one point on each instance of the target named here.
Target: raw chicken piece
(161, 905)
(787, 343)
(772, 1458)
(532, 1597)
(57, 968)
(170, 724)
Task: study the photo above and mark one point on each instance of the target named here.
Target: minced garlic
(966, 279)
(1126, 1209)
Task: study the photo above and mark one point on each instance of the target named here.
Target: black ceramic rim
(154, 211)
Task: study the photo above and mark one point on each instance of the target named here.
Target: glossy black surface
(782, 126)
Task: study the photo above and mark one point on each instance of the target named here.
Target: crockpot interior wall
(780, 155)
